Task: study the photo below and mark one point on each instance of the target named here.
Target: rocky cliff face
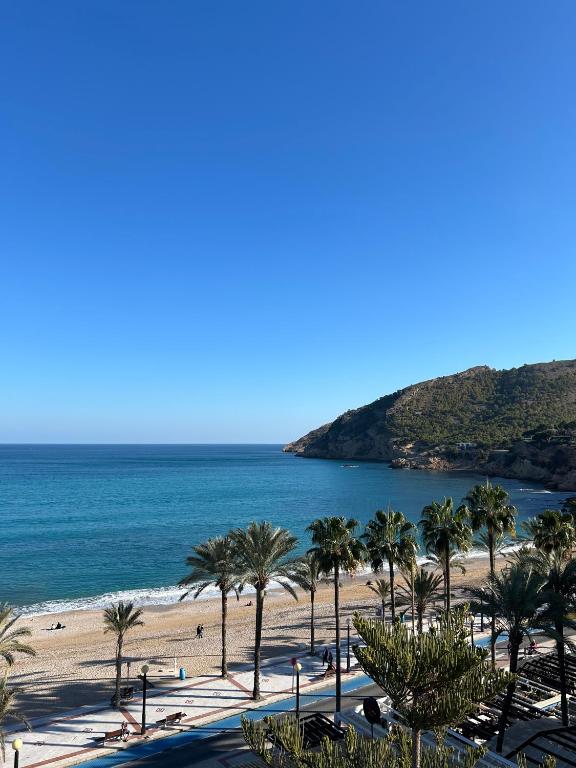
(517, 423)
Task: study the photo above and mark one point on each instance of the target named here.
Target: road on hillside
(220, 745)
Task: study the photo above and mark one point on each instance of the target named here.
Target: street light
(348, 650)
(17, 746)
(472, 630)
(298, 667)
(144, 671)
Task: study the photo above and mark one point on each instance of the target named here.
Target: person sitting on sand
(53, 626)
(248, 604)
(124, 733)
(59, 626)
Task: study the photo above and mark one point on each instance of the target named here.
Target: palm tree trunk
(224, 616)
(312, 596)
(337, 612)
(392, 595)
(514, 648)
(559, 627)
(490, 532)
(447, 579)
(258, 642)
(420, 621)
(118, 670)
(412, 598)
(416, 747)
(384, 611)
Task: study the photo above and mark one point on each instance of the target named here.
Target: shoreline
(75, 666)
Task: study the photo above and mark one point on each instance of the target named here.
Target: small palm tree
(214, 562)
(10, 643)
(309, 579)
(551, 531)
(515, 596)
(390, 538)
(337, 549)
(445, 530)
(264, 555)
(120, 619)
(382, 589)
(8, 710)
(425, 593)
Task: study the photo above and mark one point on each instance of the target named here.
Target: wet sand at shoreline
(75, 665)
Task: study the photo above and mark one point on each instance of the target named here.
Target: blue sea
(86, 524)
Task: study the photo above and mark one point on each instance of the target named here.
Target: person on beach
(330, 659)
(198, 631)
(124, 731)
(325, 657)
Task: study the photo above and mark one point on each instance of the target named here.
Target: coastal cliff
(517, 423)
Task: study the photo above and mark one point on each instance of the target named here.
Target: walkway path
(77, 736)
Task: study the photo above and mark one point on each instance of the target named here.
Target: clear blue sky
(231, 221)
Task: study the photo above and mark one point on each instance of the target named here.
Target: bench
(114, 735)
(177, 717)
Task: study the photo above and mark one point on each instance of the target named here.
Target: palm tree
(10, 643)
(445, 531)
(120, 619)
(489, 509)
(382, 589)
(425, 593)
(389, 538)
(8, 710)
(308, 579)
(515, 596)
(336, 548)
(214, 562)
(551, 531)
(263, 556)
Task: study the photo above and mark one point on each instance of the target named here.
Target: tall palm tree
(551, 531)
(560, 575)
(425, 593)
(489, 509)
(337, 549)
(120, 619)
(309, 579)
(382, 589)
(263, 555)
(515, 596)
(214, 562)
(10, 642)
(445, 530)
(8, 710)
(390, 538)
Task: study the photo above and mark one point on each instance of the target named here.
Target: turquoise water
(85, 524)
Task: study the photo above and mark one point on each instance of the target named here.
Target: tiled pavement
(77, 736)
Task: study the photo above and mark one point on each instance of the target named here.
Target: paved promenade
(77, 735)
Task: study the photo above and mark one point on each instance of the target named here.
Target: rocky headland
(518, 423)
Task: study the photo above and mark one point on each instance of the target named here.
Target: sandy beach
(74, 666)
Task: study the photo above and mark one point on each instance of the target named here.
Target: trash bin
(182, 673)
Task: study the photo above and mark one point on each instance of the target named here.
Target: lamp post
(298, 667)
(144, 671)
(17, 746)
(348, 648)
(472, 630)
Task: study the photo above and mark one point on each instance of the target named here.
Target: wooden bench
(177, 717)
(114, 735)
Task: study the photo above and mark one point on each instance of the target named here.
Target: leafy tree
(515, 596)
(489, 509)
(382, 589)
(120, 619)
(8, 710)
(356, 751)
(445, 530)
(264, 555)
(214, 562)
(551, 531)
(337, 549)
(390, 538)
(308, 579)
(433, 680)
(10, 636)
(425, 593)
